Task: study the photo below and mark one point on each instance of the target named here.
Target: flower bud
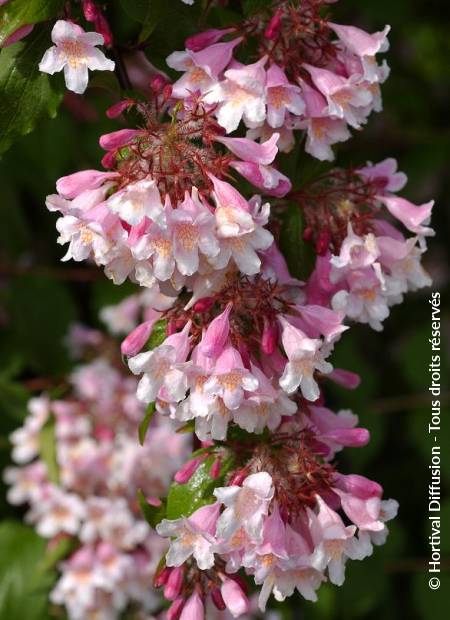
(193, 609)
(185, 473)
(269, 338)
(116, 110)
(161, 578)
(234, 598)
(215, 468)
(174, 584)
(174, 611)
(216, 335)
(203, 305)
(199, 41)
(274, 26)
(136, 339)
(217, 599)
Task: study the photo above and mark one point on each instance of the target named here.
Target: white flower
(75, 52)
(246, 506)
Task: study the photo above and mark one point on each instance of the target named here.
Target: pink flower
(75, 52)
(304, 359)
(281, 97)
(137, 201)
(411, 216)
(201, 68)
(384, 175)
(241, 95)
(193, 536)
(230, 379)
(216, 335)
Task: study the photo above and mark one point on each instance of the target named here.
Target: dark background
(39, 297)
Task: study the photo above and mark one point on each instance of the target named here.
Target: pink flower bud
(216, 336)
(193, 609)
(203, 305)
(323, 242)
(350, 437)
(74, 184)
(167, 92)
(158, 83)
(161, 578)
(103, 28)
(116, 110)
(359, 486)
(185, 473)
(116, 139)
(103, 433)
(217, 599)
(274, 26)
(90, 10)
(135, 340)
(174, 584)
(346, 378)
(238, 478)
(269, 338)
(234, 598)
(108, 160)
(203, 39)
(215, 468)
(174, 611)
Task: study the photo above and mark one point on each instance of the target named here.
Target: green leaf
(27, 95)
(158, 335)
(23, 588)
(298, 254)
(184, 499)
(47, 450)
(146, 12)
(143, 426)
(17, 13)
(153, 514)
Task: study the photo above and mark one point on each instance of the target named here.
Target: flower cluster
(228, 343)
(309, 74)
(89, 494)
(285, 530)
(365, 264)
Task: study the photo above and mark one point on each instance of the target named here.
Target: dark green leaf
(158, 334)
(298, 254)
(47, 450)
(253, 6)
(184, 499)
(146, 12)
(17, 13)
(153, 514)
(143, 426)
(23, 588)
(27, 95)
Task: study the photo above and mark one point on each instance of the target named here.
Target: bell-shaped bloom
(137, 201)
(384, 175)
(246, 506)
(201, 68)
(304, 358)
(334, 542)
(75, 52)
(163, 368)
(413, 217)
(266, 178)
(74, 184)
(281, 97)
(241, 95)
(363, 45)
(251, 151)
(344, 97)
(230, 379)
(192, 536)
